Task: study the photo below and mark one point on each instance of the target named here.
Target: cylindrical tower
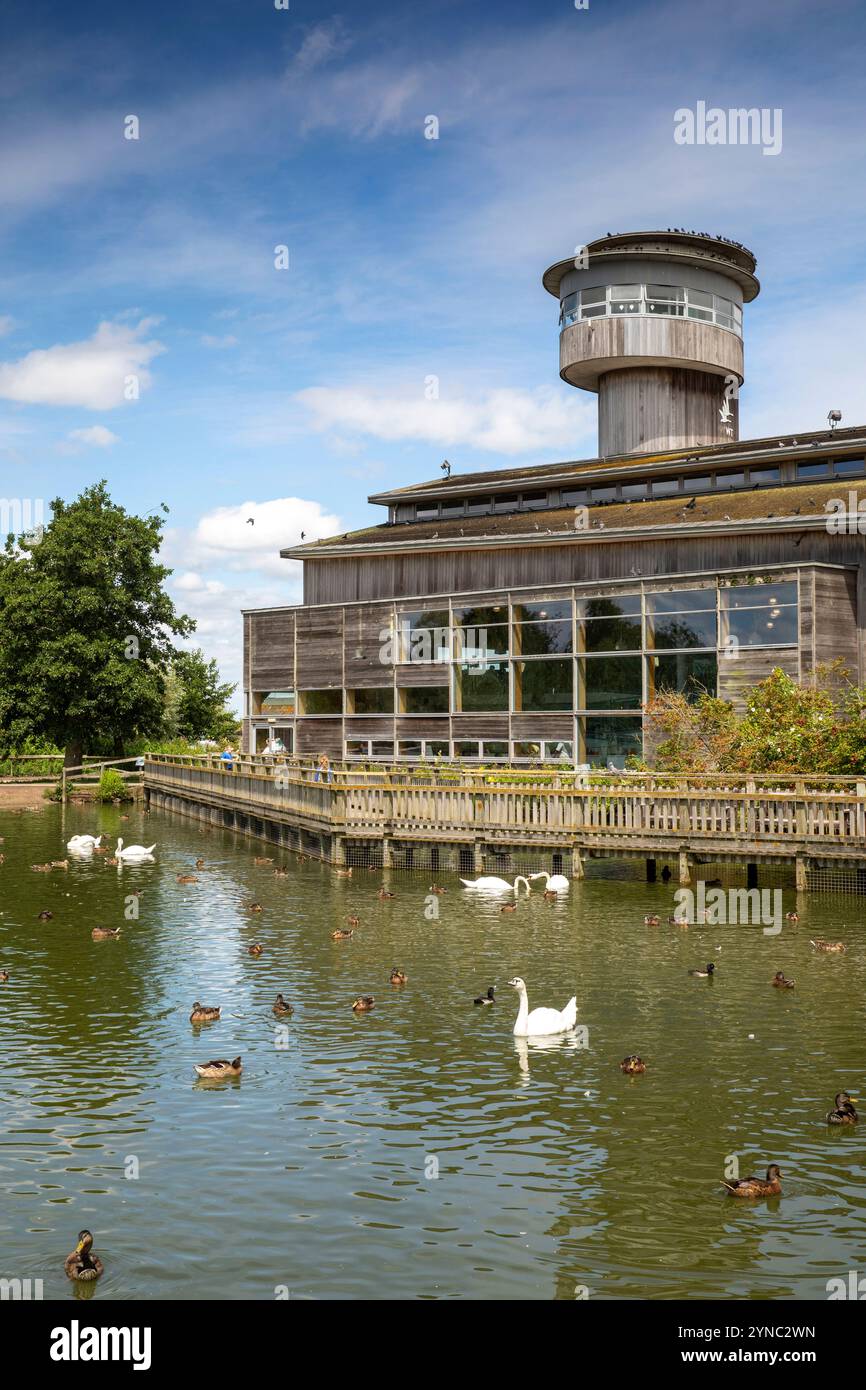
(653, 322)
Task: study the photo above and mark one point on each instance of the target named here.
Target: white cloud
(96, 435)
(224, 539)
(209, 341)
(503, 421)
(92, 374)
(7, 323)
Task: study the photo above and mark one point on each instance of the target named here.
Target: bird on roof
(690, 505)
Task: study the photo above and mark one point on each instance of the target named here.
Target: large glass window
(544, 685)
(481, 633)
(610, 682)
(609, 741)
(673, 301)
(466, 748)
(665, 299)
(378, 701)
(756, 615)
(424, 635)
(761, 477)
(848, 468)
(610, 624)
(494, 750)
(665, 487)
(527, 750)
(689, 673)
(424, 699)
(685, 618)
(480, 690)
(542, 629)
(278, 702)
(321, 701)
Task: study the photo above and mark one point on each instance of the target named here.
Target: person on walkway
(323, 771)
(227, 757)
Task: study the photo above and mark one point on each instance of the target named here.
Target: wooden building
(529, 614)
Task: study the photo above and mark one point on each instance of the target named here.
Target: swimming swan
(556, 883)
(134, 851)
(83, 842)
(492, 884)
(541, 1022)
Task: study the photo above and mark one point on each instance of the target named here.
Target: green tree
(85, 628)
(196, 699)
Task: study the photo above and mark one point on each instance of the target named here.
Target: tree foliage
(196, 699)
(85, 628)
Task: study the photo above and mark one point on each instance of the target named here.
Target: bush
(112, 786)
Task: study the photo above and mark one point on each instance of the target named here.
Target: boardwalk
(472, 817)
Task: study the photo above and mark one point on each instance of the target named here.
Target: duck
(199, 863)
(706, 974)
(255, 907)
(488, 998)
(302, 858)
(212, 1071)
(633, 1066)
(398, 977)
(105, 933)
(281, 1006)
(133, 851)
(844, 1112)
(491, 884)
(41, 868)
(353, 920)
(541, 1022)
(60, 863)
(187, 878)
(4, 977)
(203, 1013)
(262, 861)
(45, 915)
(757, 1187)
(280, 872)
(364, 1003)
(550, 895)
(780, 981)
(557, 882)
(837, 946)
(434, 888)
(82, 1263)
(508, 907)
(343, 934)
(652, 920)
(112, 862)
(383, 895)
(256, 949)
(344, 873)
(792, 916)
(678, 921)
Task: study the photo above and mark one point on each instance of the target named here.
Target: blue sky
(291, 394)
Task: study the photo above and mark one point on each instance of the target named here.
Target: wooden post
(685, 869)
(386, 852)
(801, 866)
(751, 875)
(576, 862)
(338, 850)
(477, 858)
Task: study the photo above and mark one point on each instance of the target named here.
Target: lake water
(315, 1173)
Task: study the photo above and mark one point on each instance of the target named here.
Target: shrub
(112, 786)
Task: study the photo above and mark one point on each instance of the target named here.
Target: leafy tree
(85, 628)
(196, 699)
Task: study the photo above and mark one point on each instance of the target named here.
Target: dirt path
(21, 795)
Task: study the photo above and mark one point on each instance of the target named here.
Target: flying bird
(251, 521)
(303, 535)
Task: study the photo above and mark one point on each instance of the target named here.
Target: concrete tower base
(642, 410)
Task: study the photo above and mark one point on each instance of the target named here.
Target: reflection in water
(553, 1171)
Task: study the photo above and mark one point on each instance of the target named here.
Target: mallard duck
(60, 863)
(434, 888)
(213, 1070)
(280, 872)
(678, 921)
(844, 1112)
(302, 858)
(4, 977)
(255, 907)
(45, 915)
(398, 977)
(549, 895)
(792, 916)
(821, 945)
(353, 921)
(281, 1006)
(652, 920)
(781, 982)
(487, 998)
(262, 860)
(343, 934)
(704, 974)
(187, 878)
(199, 863)
(344, 873)
(41, 868)
(364, 1003)
(256, 949)
(633, 1066)
(383, 894)
(757, 1187)
(203, 1013)
(112, 863)
(82, 1263)
(105, 933)
(508, 907)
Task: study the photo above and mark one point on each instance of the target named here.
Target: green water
(314, 1172)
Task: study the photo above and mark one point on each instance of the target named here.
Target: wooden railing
(801, 818)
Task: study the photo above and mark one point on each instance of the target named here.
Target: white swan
(492, 884)
(541, 1022)
(83, 842)
(556, 883)
(134, 851)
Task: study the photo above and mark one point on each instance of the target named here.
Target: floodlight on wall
(834, 418)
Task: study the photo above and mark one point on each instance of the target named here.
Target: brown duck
(82, 1263)
(256, 949)
(364, 1003)
(399, 977)
(633, 1066)
(213, 1071)
(204, 1013)
(281, 1006)
(780, 981)
(837, 946)
(844, 1112)
(757, 1187)
(342, 934)
(105, 933)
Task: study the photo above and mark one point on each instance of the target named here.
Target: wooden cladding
(319, 635)
(269, 650)
(366, 645)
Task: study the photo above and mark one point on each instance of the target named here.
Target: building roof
(790, 507)
(731, 258)
(638, 466)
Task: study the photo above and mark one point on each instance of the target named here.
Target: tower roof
(730, 258)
